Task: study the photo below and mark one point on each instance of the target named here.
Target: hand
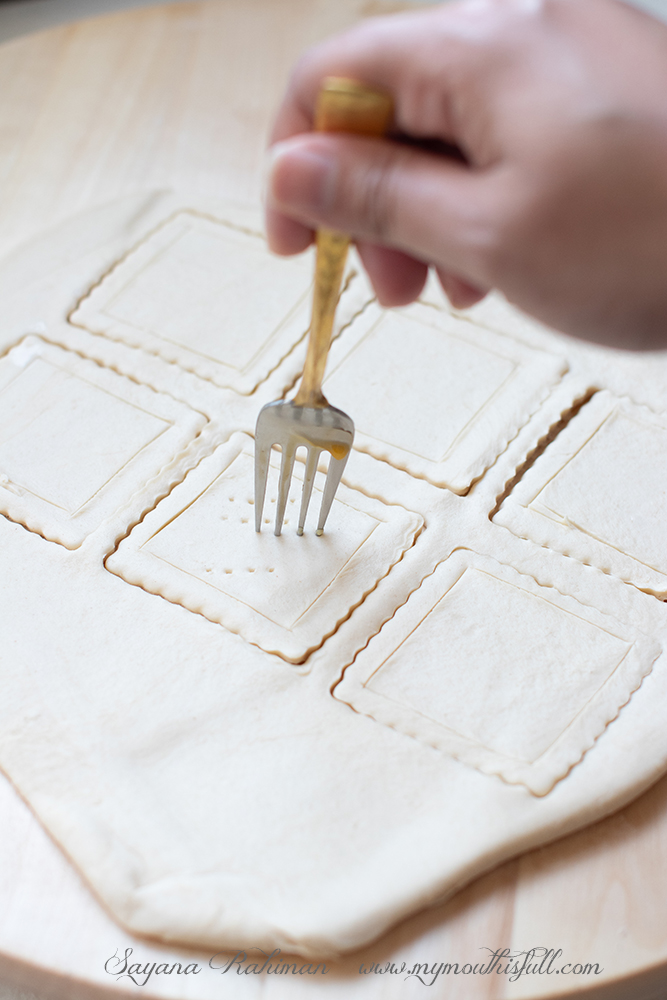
(559, 195)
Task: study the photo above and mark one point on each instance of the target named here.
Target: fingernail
(300, 179)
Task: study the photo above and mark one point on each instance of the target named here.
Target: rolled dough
(244, 741)
(586, 495)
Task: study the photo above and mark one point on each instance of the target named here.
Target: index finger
(388, 53)
(401, 55)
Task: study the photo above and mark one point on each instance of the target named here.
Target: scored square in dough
(509, 676)
(598, 492)
(286, 594)
(77, 440)
(185, 294)
(436, 395)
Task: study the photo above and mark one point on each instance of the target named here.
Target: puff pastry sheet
(249, 741)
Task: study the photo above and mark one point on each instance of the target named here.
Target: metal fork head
(290, 427)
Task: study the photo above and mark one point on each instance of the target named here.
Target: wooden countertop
(179, 97)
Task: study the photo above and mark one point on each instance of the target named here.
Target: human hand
(560, 200)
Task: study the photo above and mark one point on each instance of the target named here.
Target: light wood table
(179, 97)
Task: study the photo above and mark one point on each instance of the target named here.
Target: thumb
(430, 207)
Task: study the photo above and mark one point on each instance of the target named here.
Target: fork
(309, 420)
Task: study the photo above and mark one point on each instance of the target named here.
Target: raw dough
(516, 679)
(172, 724)
(77, 440)
(434, 394)
(183, 294)
(286, 594)
(599, 492)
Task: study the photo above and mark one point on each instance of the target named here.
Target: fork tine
(308, 480)
(334, 473)
(286, 466)
(262, 455)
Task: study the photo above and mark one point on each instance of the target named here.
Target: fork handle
(329, 268)
(342, 106)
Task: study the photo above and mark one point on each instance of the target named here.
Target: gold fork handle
(329, 268)
(343, 106)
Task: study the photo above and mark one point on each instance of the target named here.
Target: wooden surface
(180, 97)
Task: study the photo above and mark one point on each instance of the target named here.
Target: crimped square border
(396, 532)
(141, 479)
(540, 776)
(523, 514)
(491, 429)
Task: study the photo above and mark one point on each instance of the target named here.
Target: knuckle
(495, 26)
(519, 221)
(303, 70)
(488, 253)
(488, 239)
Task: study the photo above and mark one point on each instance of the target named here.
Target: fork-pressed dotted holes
(244, 521)
(185, 551)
